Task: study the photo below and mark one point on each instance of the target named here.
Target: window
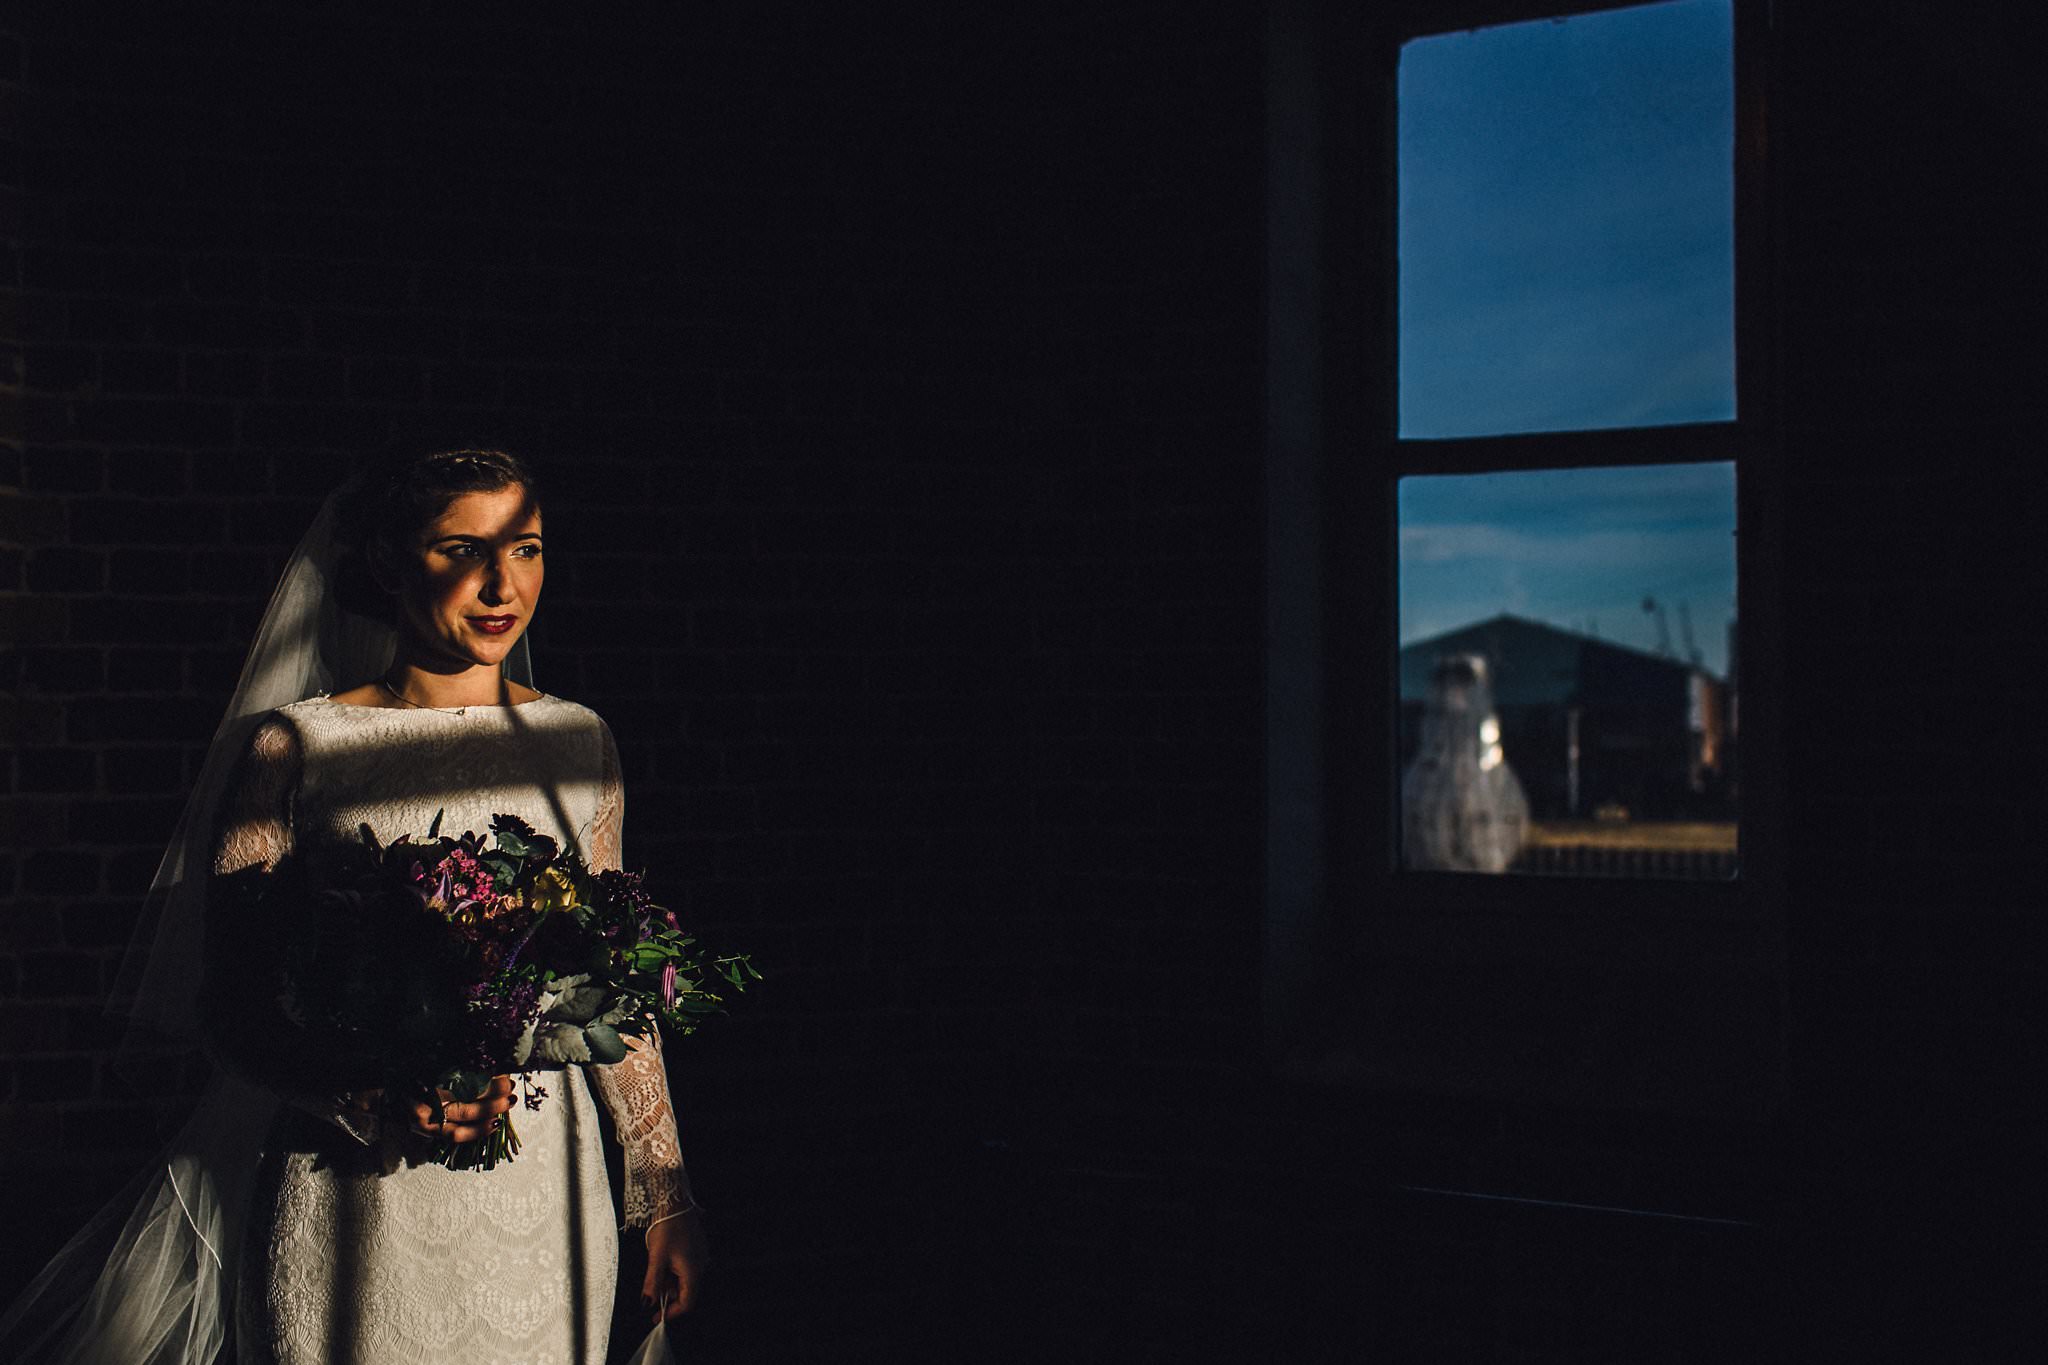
(1566, 265)
(1567, 223)
(1560, 709)
(1518, 411)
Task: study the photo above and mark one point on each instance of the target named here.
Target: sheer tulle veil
(153, 1276)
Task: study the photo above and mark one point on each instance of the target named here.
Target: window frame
(1335, 890)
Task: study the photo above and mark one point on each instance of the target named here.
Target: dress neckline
(488, 708)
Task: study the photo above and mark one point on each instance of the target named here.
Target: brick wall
(1914, 338)
(884, 529)
(902, 379)
(1894, 1191)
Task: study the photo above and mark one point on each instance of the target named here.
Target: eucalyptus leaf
(604, 1043)
(558, 984)
(465, 1084)
(561, 1043)
(577, 1003)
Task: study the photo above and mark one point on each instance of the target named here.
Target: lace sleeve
(252, 845)
(602, 848)
(255, 824)
(635, 1091)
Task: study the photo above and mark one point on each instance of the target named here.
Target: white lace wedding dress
(353, 1253)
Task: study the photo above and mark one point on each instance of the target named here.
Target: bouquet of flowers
(435, 963)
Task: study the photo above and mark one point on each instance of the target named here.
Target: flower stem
(480, 1154)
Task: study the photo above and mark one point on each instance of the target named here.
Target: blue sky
(1566, 225)
(1578, 548)
(1567, 263)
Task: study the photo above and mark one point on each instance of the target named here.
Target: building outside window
(1566, 356)
(1522, 715)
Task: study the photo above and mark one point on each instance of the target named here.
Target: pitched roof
(1534, 664)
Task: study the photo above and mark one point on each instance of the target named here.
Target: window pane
(1567, 256)
(1568, 671)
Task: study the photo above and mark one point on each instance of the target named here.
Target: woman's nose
(497, 572)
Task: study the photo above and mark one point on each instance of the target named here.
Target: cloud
(1570, 502)
(1667, 550)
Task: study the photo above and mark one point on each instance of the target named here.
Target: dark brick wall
(901, 376)
(885, 533)
(1914, 341)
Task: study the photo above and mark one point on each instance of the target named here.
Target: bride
(289, 1227)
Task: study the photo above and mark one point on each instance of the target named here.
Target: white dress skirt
(353, 1254)
(354, 1262)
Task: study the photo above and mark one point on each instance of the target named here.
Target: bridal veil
(151, 1279)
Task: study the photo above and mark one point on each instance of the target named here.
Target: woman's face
(469, 587)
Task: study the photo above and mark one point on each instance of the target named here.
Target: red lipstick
(494, 625)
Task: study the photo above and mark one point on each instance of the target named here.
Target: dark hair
(396, 496)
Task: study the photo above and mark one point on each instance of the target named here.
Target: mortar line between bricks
(1584, 1208)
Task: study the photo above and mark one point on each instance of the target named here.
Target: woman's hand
(357, 1105)
(675, 1258)
(461, 1120)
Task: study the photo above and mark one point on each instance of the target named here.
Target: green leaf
(604, 1043)
(510, 842)
(647, 957)
(466, 1085)
(578, 1002)
(561, 1043)
(504, 869)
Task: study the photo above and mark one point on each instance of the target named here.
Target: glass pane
(1568, 671)
(1567, 243)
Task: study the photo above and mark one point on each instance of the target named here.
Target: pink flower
(668, 984)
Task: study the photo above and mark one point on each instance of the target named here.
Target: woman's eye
(471, 551)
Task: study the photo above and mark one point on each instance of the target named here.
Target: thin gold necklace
(444, 710)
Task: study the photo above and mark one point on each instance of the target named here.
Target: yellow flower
(552, 890)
